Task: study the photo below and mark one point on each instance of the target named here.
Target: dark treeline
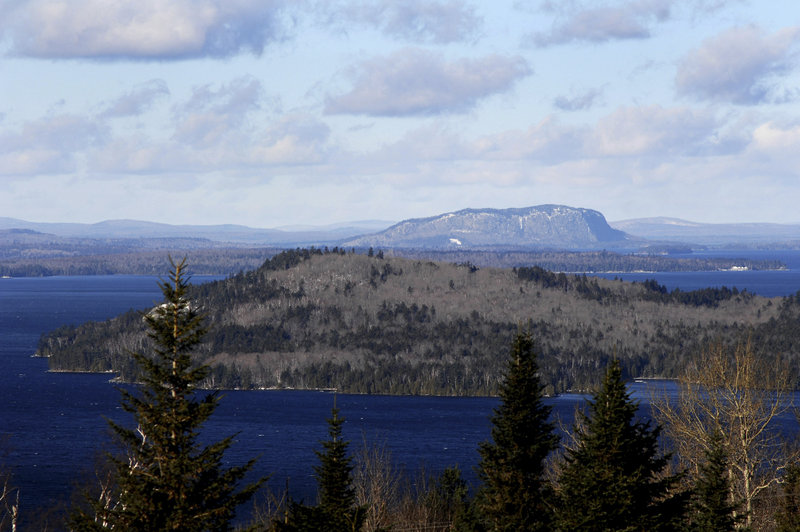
(587, 261)
(376, 324)
(653, 291)
(210, 261)
(40, 257)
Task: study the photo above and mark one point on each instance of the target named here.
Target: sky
(274, 113)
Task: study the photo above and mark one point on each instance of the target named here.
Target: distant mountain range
(675, 229)
(239, 234)
(539, 227)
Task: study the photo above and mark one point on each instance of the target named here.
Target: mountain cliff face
(553, 226)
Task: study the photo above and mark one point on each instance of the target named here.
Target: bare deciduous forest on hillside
(378, 324)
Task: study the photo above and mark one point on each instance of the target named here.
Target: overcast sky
(281, 112)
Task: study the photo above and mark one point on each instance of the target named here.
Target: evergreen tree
(337, 497)
(712, 507)
(447, 500)
(613, 478)
(336, 511)
(788, 518)
(166, 480)
(515, 494)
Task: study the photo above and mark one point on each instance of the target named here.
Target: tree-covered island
(370, 323)
(612, 470)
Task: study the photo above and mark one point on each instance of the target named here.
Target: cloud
(32, 161)
(237, 97)
(138, 100)
(639, 135)
(417, 82)
(421, 21)
(548, 141)
(48, 145)
(774, 150)
(654, 131)
(295, 139)
(141, 29)
(741, 65)
(140, 155)
(773, 137)
(204, 143)
(212, 114)
(426, 143)
(577, 103)
(628, 21)
(709, 7)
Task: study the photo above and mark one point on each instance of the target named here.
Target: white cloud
(50, 144)
(211, 115)
(775, 138)
(549, 142)
(237, 97)
(579, 102)
(141, 29)
(417, 82)
(413, 20)
(653, 131)
(139, 155)
(629, 20)
(636, 136)
(741, 65)
(773, 151)
(32, 161)
(293, 140)
(204, 143)
(427, 143)
(137, 100)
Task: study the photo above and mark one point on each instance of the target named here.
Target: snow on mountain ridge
(555, 226)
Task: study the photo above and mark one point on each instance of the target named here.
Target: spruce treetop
(613, 478)
(166, 480)
(515, 495)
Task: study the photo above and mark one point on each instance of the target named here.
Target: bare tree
(9, 494)
(736, 393)
(375, 480)
(9, 512)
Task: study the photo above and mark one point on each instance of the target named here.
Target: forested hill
(308, 319)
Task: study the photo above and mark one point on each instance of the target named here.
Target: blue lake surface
(765, 283)
(52, 428)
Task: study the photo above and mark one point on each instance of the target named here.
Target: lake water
(765, 283)
(52, 428)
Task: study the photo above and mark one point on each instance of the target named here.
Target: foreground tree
(9, 504)
(337, 498)
(166, 480)
(788, 516)
(614, 477)
(713, 509)
(446, 501)
(376, 480)
(515, 494)
(337, 510)
(736, 394)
